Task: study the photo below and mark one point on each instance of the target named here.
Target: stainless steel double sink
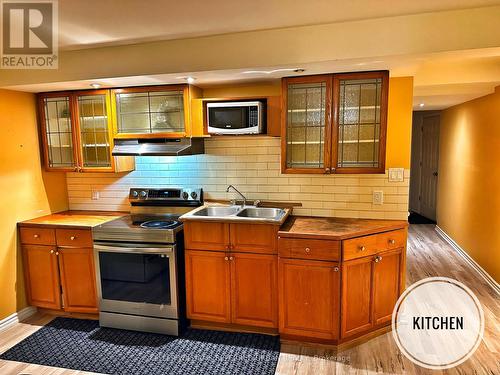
(250, 213)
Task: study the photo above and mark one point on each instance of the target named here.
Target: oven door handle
(116, 248)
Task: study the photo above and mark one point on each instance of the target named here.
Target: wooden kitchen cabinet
(370, 288)
(59, 270)
(77, 133)
(76, 267)
(231, 273)
(334, 123)
(41, 276)
(254, 289)
(208, 294)
(153, 111)
(309, 298)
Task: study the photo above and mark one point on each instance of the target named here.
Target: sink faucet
(237, 191)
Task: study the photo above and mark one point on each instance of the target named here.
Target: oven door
(137, 279)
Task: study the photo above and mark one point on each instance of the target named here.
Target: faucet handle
(233, 202)
(256, 203)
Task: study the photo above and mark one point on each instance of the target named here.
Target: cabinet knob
(378, 259)
(226, 258)
(52, 251)
(57, 252)
(308, 250)
(336, 269)
(362, 248)
(231, 258)
(392, 242)
(72, 238)
(36, 236)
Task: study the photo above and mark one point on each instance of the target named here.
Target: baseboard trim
(17, 317)
(480, 270)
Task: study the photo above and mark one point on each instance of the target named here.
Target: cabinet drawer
(299, 248)
(37, 236)
(74, 237)
(369, 245)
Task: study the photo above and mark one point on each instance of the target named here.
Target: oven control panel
(177, 195)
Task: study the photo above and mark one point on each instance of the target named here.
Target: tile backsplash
(252, 164)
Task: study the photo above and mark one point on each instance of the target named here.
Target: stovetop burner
(159, 224)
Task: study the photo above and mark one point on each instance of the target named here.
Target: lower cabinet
(42, 276)
(370, 288)
(58, 275)
(237, 288)
(309, 298)
(76, 267)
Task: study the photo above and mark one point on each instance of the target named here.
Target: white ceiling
(91, 23)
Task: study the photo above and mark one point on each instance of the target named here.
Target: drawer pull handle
(336, 269)
(226, 258)
(36, 236)
(308, 250)
(362, 248)
(392, 242)
(72, 238)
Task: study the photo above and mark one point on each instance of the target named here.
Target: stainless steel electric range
(140, 262)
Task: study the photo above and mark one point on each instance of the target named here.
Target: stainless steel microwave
(235, 117)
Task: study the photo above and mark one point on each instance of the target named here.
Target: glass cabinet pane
(359, 122)
(305, 125)
(59, 134)
(94, 133)
(150, 112)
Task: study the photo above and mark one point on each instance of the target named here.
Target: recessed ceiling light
(190, 79)
(297, 70)
(95, 85)
(421, 104)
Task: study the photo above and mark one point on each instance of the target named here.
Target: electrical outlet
(95, 194)
(396, 174)
(378, 197)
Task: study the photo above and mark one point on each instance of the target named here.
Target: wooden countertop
(332, 228)
(76, 219)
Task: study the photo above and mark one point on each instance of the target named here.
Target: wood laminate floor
(428, 255)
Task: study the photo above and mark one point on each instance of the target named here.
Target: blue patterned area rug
(82, 345)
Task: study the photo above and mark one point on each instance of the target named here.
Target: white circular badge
(438, 323)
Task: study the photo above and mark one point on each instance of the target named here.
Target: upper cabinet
(77, 134)
(335, 123)
(153, 112)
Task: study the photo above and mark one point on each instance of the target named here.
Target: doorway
(424, 166)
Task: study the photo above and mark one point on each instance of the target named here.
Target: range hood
(159, 147)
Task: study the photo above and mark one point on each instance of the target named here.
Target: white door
(429, 169)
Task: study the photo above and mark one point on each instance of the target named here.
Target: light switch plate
(378, 197)
(396, 174)
(95, 194)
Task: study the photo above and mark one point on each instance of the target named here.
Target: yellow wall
(468, 208)
(27, 192)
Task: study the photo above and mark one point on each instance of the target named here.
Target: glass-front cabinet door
(94, 129)
(159, 110)
(59, 139)
(306, 124)
(360, 122)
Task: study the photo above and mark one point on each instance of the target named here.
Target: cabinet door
(387, 284)
(159, 110)
(58, 138)
(309, 298)
(254, 289)
(254, 238)
(208, 295)
(357, 294)
(42, 276)
(78, 279)
(306, 124)
(206, 236)
(360, 122)
(94, 130)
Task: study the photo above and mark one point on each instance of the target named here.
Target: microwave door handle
(128, 249)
